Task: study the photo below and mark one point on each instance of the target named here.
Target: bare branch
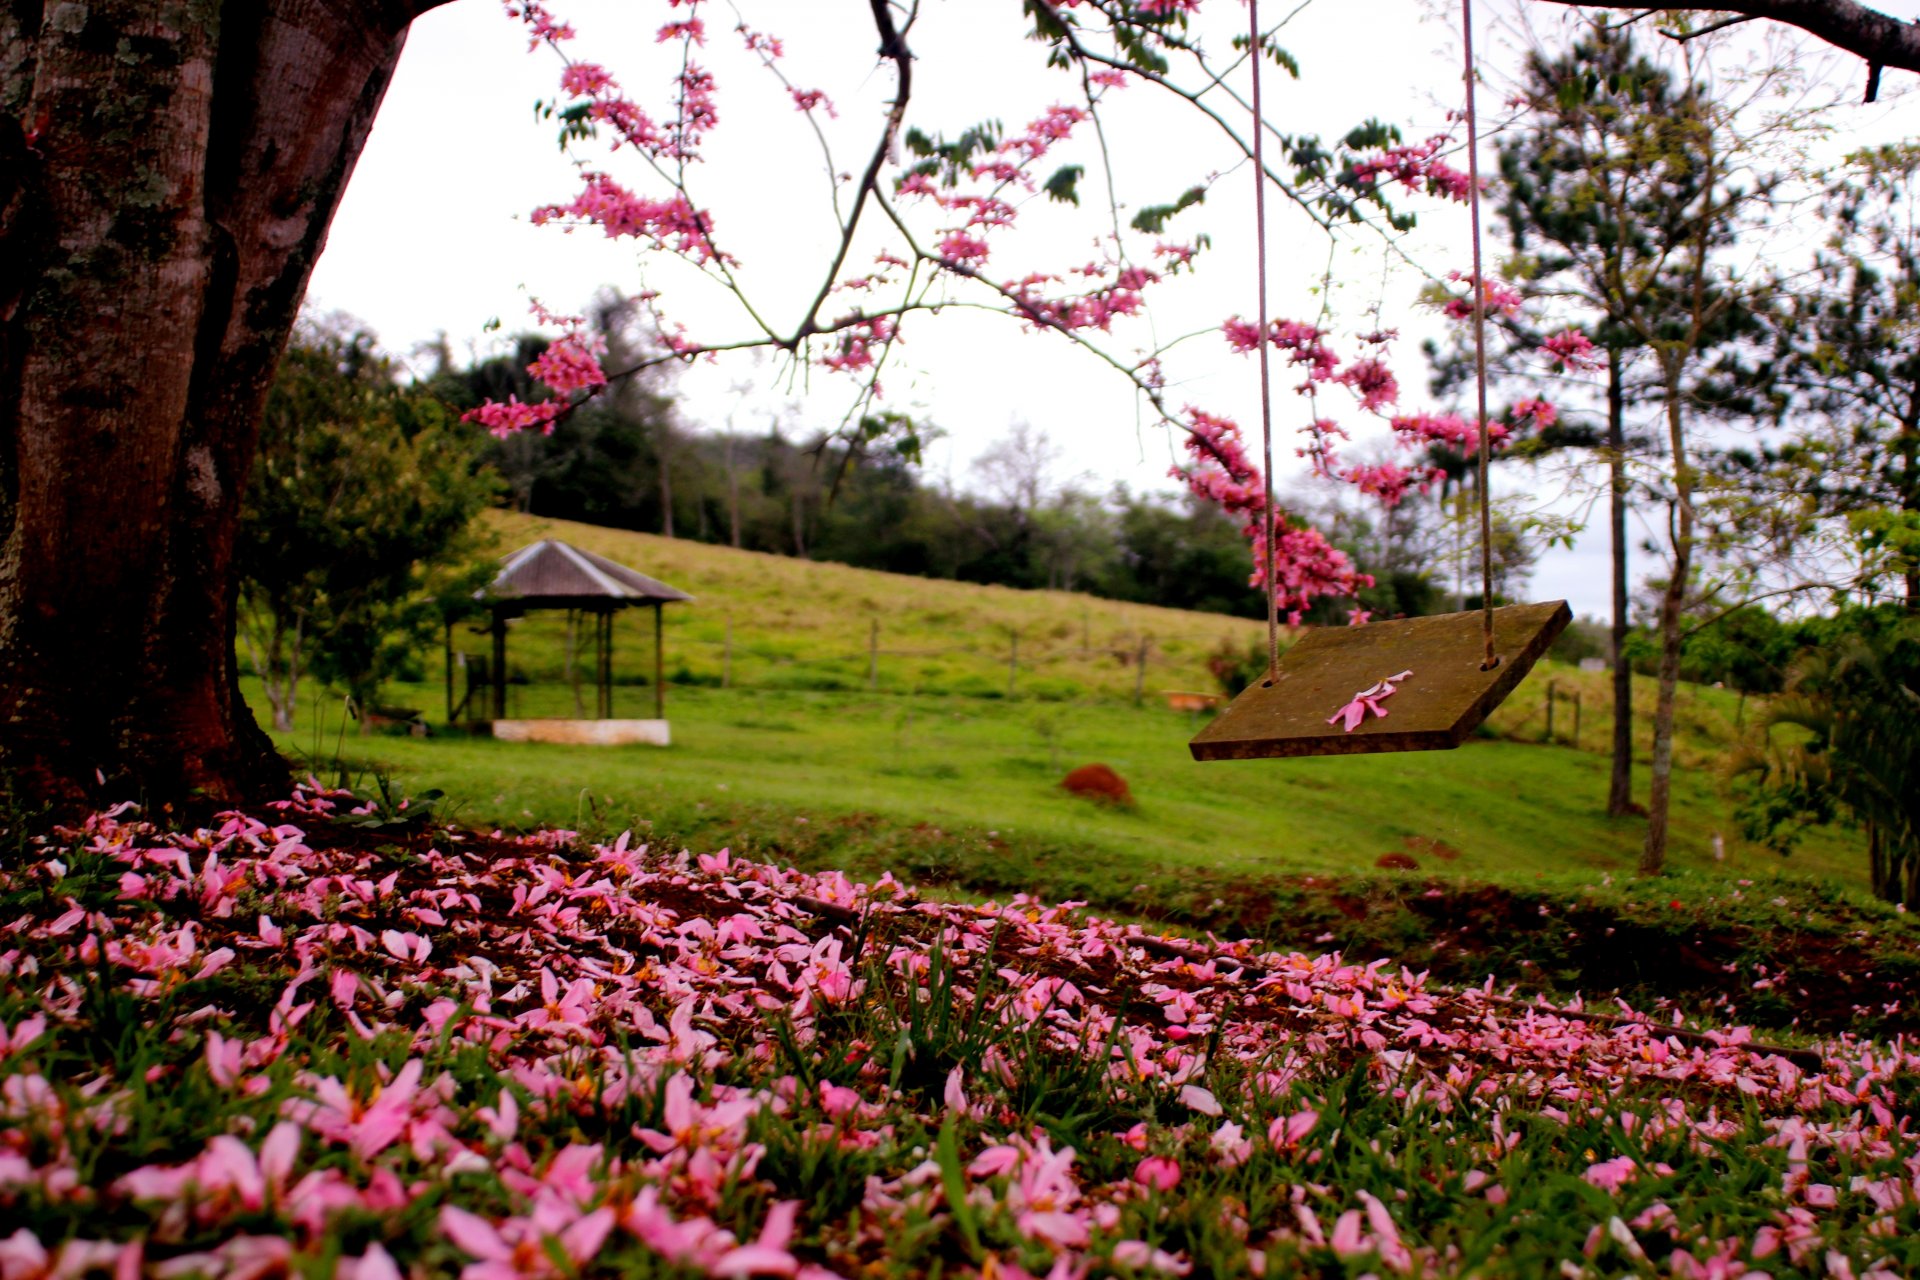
(1881, 39)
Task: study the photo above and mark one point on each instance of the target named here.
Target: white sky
(433, 233)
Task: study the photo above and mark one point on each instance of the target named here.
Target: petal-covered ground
(292, 1046)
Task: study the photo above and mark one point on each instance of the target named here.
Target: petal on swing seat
(1442, 698)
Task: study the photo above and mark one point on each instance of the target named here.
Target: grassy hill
(937, 773)
(806, 625)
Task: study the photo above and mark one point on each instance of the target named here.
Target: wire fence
(552, 660)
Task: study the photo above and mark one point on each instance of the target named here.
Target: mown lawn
(797, 772)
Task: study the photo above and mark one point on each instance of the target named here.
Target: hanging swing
(1414, 684)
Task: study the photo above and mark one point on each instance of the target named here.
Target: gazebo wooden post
(499, 665)
(659, 664)
(606, 664)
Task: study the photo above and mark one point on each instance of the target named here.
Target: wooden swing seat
(1442, 700)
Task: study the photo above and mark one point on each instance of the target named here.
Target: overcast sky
(433, 234)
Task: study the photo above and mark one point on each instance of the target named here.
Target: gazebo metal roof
(554, 574)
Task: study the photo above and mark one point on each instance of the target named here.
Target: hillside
(803, 624)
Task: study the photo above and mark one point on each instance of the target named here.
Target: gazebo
(551, 574)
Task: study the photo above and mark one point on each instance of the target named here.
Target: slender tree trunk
(1620, 785)
(1880, 874)
(1909, 446)
(1653, 856)
(167, 175)
(573, 663)
(733, 495)
(286, 652)
(666, 482)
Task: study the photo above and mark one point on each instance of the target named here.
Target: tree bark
(1620, 786)
(1880, 38)
(167, 176)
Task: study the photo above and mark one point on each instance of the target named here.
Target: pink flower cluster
(570, 363)
(1572, 350)
(510, 417)
(1418, 167)
(672, 223)
(1305, 565)
(426, 1050)
(1502, 299)
(854, 344)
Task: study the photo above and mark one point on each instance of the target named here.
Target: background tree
(1579, 214)
(1593, 227)
(360, 511)
(1852, 709)
(1840, 368)
(1634, 188)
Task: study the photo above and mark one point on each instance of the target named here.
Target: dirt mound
(1430, 844)
(1099, 782)
(1396, 862)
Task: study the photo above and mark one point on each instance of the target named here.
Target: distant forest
(625, 460)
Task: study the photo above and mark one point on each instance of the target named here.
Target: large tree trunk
(1620, 786)
(167, 175)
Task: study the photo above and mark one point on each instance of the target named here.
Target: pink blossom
(512, 417)
(1611, 1175)
(1368, 699)
(1570, 349)
(1157, 1173)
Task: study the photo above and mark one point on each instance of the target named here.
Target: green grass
(937, 774)
(800, 774)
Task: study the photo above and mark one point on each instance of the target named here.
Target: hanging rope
(1490, 660)
(1266, 389)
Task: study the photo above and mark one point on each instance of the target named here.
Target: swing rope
(1266, 387)
(1490, 660)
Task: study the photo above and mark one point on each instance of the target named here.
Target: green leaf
(946, 1153)
(1061, 186)
(1153, 219)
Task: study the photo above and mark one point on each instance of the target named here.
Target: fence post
(1576, 721)
(873, 657)
(1140, 670)
(1549, 733)
(1013, 659)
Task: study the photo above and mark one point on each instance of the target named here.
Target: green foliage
(950, 161)
(357, 518)
(1063, 186)
(1839, 368)
(1153, 218)
(1853, 712)
(1236, 667)
(1746, 649)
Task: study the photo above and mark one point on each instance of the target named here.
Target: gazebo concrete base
(594, 733)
